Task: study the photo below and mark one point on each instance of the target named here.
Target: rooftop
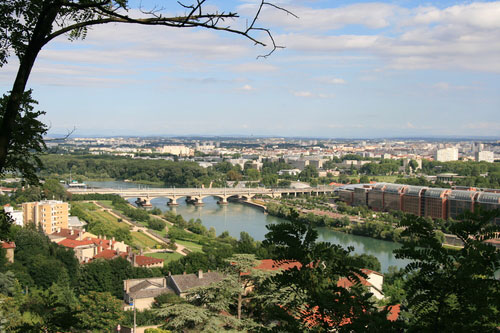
(187, 281)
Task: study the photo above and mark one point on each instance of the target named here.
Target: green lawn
(386, 179)
(106, 203)
(142, 240)
(168, 257)
(88, 206)
(194, 247)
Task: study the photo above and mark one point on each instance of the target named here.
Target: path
(144, 230)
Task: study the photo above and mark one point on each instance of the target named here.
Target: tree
(364, 179)
(99, 312)
(308, 173)
(26, 142)
(452, 290)
(27, 26)
(308, 293)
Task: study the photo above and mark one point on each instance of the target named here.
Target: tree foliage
(27, 139)
(99, 312)
(308, 295)
(452, 290)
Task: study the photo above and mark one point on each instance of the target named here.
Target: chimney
(113, 239)
(140, 252)
(104, 237)
(184, 273)
(100, 249)
(200, 274)
(169, 273)
(71, 232)
(58, 230)
(208, 271)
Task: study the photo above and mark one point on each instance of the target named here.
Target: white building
(17, 215)
(487, 156)
(447, 154)
(176, 150)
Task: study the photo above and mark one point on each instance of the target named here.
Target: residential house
(142, 292)
(182, 283)
(9, 249)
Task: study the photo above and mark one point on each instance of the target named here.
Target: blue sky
(349, 69)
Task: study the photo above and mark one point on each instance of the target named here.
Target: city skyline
(354, 70)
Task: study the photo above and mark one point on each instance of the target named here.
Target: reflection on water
(236, 217)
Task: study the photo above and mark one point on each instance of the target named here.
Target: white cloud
(309, 94)
(303, 94)
(445, 86)
(256, 66)
(372, 15)
(247, 87)
(463, 37)
(331, 80)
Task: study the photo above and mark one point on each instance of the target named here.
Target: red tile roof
(72, 243)
(273, 265)
(8, 245)
(394, 311)
(66, 233)
(106, 254)
(145, 261)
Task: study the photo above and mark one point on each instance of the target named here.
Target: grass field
(194, 247)
(106, 203)
(88, 206)
(168, 257)
(142, 240)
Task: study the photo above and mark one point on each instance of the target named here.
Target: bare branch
(280, 8)
(194, 18)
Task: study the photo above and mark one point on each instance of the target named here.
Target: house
(142, 292)
(9, 249)
(182, 283)
(373, 282)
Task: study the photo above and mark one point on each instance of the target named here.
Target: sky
(349, 69)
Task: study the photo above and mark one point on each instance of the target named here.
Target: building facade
(447, 154)
(50, 215)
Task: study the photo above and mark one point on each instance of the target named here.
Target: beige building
(49, 214)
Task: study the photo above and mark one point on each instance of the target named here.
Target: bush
(156, 224)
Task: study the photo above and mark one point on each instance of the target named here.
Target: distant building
(447, 154)
(48, 214)
(16, 215)
(289, 172)
(487, 156)
(176, 150)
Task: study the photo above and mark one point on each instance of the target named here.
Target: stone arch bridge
(196, 195)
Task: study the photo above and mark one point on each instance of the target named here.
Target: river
(237, 217)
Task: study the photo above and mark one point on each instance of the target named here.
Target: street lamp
(131, 302)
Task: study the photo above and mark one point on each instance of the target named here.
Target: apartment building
(446, 154)
(50, 215)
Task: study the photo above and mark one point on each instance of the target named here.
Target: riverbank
(350, 224)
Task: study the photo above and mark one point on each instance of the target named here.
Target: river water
(237, 217)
